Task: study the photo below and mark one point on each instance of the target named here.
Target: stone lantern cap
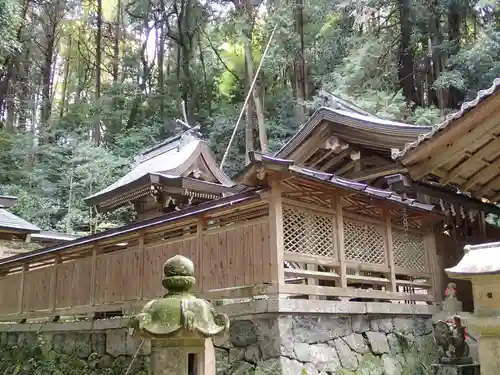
(478, 260)
(179, 313)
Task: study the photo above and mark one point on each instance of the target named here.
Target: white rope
(248, 96)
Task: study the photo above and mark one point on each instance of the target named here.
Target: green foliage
(33, 359)
(9, 19)
(349, 49)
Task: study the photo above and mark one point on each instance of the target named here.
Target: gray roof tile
(10, 221)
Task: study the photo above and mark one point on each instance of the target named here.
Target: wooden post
(200, 256)
(482, 226)
(276, 235)
(53, 282)
(142, 253)
(92, 275)
(390, 251)
(21, 288)
(433, 264)
(340, 241)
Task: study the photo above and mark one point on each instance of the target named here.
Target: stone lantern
(179, 325)
(481, 265)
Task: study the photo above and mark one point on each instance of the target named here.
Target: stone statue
(451, 304)
(178, 313)
(451, 337)
(451, 291)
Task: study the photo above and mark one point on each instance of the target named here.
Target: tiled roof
(343, 183)
(481, 259)
(165, 162)
(170, 158)
(10, 221)
(466, 107)
(396, 133)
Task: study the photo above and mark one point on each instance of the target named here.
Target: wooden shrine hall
(349, 142)
(461, 156)
(331, 216)
(281, 230)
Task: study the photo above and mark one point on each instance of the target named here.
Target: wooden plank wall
(235, 254)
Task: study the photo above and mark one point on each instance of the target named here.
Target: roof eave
(289, 166)
(412, 150)
(390, 129)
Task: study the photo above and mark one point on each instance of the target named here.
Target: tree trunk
(161, 63)
(98, 61)
(47, 76)
(24, 98)
(116, 44)
(250, 125)
(64, 93)
(300, 76)
(259, 110)
(406, 63)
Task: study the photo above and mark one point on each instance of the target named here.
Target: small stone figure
(178, 311)
(451, 304)
(451, 291)
(450, 336)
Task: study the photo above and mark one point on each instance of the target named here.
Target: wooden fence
(267, 246)
(228, 249)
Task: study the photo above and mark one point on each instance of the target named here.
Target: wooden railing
(268, 246)
(229, 248)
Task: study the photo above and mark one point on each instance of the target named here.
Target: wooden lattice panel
(409, 250)
(364, 242)
(309, 233)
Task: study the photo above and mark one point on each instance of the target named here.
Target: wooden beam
(142, 255)
(345, 168)
(433, 264)
(464, 130)
(483, 152)
(474, 139)
(490, 171)
(376, 172)
(334, 161)
(310, 146)
(320, 159)
(276, 237)
(462, 200)
(340, 242)
(390, 250)
(352, 293)
(21, 289)
(490, 185)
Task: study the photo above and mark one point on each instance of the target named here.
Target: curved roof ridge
(353, 120)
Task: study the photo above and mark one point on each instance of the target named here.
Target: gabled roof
(9, 221)
(365, 130)
(168, 163)
(450, 119)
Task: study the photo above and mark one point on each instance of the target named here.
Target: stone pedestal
(471, 369)
(179, 325)
(183, 357)
(489, 344)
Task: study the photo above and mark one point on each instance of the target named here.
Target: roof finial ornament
(190, 132)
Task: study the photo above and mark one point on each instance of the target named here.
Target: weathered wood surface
(237, 253)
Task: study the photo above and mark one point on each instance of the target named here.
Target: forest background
(86, 84)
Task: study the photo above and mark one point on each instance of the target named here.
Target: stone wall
(76, 348)
(289, 337)
(298, 344)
